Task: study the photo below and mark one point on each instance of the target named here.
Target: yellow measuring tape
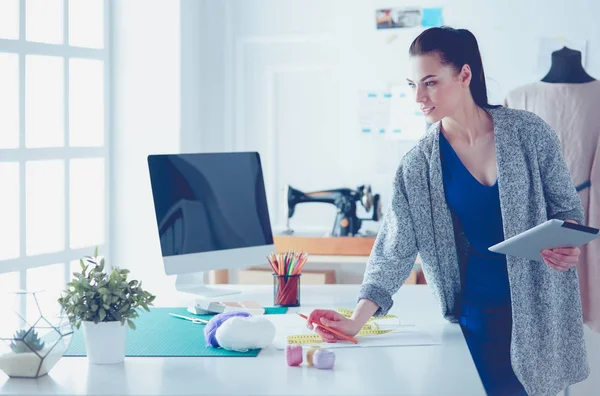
(369, 329)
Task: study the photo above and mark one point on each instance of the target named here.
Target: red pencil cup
(286, 290)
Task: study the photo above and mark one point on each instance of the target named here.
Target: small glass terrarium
(34, 334)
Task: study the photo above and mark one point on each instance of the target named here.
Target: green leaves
(26, 341)
(94, 295)
(131, 324)
(101, 314)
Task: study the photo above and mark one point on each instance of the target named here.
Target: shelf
(322, 250)
(325, 246)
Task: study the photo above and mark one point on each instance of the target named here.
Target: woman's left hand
(561, 259)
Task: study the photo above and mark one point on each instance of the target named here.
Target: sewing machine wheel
(367, 198)
(377, 209)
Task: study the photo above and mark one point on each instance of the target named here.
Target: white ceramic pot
(105, 342)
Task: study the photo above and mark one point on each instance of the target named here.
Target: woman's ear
(465, 75)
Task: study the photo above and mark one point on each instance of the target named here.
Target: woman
(482, 174)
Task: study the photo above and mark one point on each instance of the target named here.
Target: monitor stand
(194, 284)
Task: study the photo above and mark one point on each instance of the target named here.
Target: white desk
(445, 369)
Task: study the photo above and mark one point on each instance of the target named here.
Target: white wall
(281, 77)
(146, 120)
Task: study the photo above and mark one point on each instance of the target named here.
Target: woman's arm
(394, 252)
(363, 312)
(390, 263)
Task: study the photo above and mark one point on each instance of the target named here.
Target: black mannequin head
(567, 68)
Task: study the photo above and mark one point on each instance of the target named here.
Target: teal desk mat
(159, 334)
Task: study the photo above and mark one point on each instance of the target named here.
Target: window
(53, 139)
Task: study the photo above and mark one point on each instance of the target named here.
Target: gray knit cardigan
(547, 348)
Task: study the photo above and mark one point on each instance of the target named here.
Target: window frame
(22, 48)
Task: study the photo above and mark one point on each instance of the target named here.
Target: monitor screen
(209, 202)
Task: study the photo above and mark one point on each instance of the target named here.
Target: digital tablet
(549, 235)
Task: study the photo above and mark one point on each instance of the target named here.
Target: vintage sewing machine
(346, 223)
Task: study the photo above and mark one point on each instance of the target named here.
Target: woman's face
(437, 88)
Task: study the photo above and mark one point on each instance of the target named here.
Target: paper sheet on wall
(374, 111)
(291, 324)
(406, 119)
(547, 45)
(432, 17)
(392, 113)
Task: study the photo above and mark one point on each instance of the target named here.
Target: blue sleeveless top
(478, 209)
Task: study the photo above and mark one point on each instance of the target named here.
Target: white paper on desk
(290, 324)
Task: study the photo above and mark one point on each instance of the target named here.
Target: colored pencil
(287, 267)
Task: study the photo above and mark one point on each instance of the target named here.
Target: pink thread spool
(293, 355)
(323, 359)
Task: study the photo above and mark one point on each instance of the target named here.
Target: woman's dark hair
(456, 47)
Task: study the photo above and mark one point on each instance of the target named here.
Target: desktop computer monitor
(211, 213)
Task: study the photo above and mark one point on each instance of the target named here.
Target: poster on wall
(408, 17)
(394, 18)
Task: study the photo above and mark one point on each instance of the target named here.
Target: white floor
(591, 386)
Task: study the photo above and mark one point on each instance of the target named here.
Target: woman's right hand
(334, 320)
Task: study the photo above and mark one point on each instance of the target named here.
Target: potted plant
(103, 302)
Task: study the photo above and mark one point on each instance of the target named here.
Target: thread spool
(293, 355)
(323, 359)
(210, 330)
(310, 354)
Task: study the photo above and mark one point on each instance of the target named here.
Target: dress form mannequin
(566, 98)
(566, 68)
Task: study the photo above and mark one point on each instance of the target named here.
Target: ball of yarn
(241, 334)
(293, 355)
(215, 322)
(324, 359)
(310, 354)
